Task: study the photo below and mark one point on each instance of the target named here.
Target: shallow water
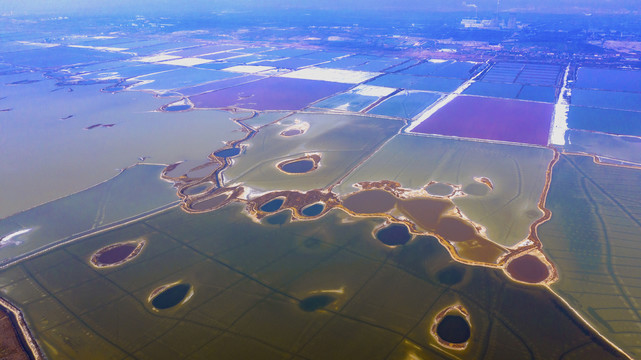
(37, 144)
(258, 280)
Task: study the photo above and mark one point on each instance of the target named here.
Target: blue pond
(395, 234)
(227, 152)
(272, 205)
(178, 108)
(313, 210)
(298, 167)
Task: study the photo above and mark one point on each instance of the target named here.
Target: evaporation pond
(298, 167)
(395, 234)
(453, 329)
(272, 205)
(316, 302)
(313, 210)
(528, 268)
(292, 132)
(196, 189)
(171, 296)
(178, 107)
(370, 202)
(227, 152)
(116, 254)
(491, 119)
(439, 189)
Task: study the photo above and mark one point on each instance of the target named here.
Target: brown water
(209, 203)
(528, 268)
(455, 229)
(425, 212)
(116, 254)
(370, 202)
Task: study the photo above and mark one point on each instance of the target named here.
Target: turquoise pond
(347, 101)
(411, 82)
(405, 104)
(618, 122)
(607, 99)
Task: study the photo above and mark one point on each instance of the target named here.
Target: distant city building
(476, 23)
(494, 23)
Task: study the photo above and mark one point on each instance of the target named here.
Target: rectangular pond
(622, 148)
(219, 84)
(182, 77)
(290, 63)
(607, 99)
(276, 93)
(605, 120)
(347, 101)
(406, 104)
(411, 82)
(608, 79)
(448, 69)
(491, 119)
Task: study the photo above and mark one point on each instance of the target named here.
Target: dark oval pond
(171, 297)
(298, 167)
(272, 205)
(453, 329)
(315, 302)
(451, 275)
(227, 152)
(278, 219)
(313, 210)
(292, 132)
(394, 234)
(115, 254)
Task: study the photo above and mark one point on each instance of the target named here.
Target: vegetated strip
(27, 341)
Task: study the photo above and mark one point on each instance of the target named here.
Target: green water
(517, 172)
(135, 191)
(315, 289)
(592, 238)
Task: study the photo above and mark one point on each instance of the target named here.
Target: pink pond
(275, 93)
(492, 119)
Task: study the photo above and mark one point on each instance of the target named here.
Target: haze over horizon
(91, 7)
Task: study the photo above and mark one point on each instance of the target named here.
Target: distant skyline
(61, 7)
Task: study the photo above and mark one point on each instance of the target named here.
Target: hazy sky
(145, 6)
